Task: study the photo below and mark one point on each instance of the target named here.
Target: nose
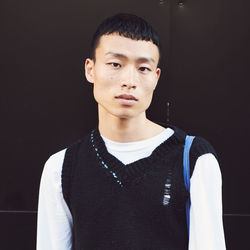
(128, 86)
(129, 78)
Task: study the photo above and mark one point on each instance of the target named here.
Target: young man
(121, 187)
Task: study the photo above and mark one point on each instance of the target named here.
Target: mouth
(126, 97)
(126, 100)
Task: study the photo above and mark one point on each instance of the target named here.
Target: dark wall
(46, 103)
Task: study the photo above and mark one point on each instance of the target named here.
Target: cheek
(104, 79)
(149, 86)
(104, 86)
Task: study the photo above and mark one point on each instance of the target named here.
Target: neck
(127, 129)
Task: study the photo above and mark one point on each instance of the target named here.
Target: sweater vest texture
(138, 206)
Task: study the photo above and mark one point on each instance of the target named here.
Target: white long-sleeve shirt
(54, 228)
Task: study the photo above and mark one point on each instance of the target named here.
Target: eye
(115, 65)
(144, 69)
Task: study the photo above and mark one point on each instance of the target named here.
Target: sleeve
(206, 223)
(54, 220)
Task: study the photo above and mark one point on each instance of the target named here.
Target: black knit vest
(138, 206)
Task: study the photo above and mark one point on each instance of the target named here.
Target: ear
(89, 70)
(158, 73)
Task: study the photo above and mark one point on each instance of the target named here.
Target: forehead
(114, 43)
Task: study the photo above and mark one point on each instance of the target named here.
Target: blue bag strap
(186, 172)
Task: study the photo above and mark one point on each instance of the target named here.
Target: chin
(124, 116)
(122, 113)
(128, 114)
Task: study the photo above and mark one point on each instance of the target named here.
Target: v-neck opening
(125, 172)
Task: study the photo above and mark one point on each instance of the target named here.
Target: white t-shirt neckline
(128, 152)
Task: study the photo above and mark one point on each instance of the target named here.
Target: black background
(46, 103)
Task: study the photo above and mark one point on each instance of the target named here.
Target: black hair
(127, 25)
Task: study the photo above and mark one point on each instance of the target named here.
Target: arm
(54, 220)
(206, 224)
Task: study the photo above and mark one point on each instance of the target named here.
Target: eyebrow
(140, 59)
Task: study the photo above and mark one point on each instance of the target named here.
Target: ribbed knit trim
(67, 170)
(127, 173)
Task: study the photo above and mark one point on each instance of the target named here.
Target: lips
(126, 97)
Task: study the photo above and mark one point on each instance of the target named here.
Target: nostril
(128, 86)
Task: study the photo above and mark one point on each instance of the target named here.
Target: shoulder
(56, 157)
(202, 152)
(53, 166)
(55, 161)
(200, 147)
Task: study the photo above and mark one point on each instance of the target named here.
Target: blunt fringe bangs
(127, 25)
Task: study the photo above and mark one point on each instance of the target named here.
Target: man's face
(124, 75)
